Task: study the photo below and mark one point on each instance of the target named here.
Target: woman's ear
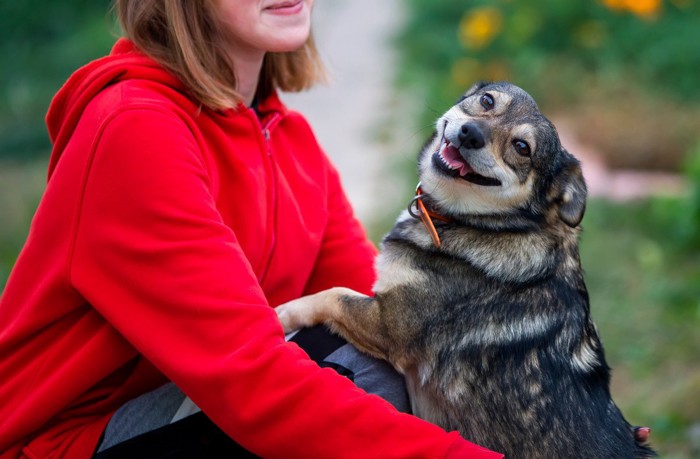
(569, 191)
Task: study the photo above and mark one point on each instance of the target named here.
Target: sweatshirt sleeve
(154, 258)
(347, 256)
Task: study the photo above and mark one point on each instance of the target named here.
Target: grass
(645, 298)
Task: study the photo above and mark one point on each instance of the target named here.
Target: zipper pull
(270, 123)
(268, 147)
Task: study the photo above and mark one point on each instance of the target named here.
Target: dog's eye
(487, 102)
(521, 147)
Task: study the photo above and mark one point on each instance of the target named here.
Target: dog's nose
(471, 136)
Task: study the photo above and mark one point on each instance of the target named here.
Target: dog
(480, 300)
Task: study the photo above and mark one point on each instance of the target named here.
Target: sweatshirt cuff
(463, 449)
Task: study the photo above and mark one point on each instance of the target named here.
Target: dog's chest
(409, 254)
(395, 269)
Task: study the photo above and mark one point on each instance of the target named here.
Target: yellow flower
(644, 8)
(479, 27)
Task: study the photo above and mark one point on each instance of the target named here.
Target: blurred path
(353, 39)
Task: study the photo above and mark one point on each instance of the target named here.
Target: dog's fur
(492, 330)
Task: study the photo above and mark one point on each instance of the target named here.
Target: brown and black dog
(488, 319)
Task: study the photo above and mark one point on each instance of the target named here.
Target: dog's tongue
(455, 160)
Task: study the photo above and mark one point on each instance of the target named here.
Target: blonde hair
(184, 37)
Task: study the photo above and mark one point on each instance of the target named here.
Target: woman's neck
(247, 68)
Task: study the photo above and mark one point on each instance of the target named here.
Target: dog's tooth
(444, 161)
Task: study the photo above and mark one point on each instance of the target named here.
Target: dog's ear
(475, 87)
(569, 191)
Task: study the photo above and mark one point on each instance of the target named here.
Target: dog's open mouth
(450, 161)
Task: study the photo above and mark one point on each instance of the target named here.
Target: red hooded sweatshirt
(166, 233)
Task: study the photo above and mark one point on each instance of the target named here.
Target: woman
(183, 201)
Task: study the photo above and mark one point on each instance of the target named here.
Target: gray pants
(168, 404)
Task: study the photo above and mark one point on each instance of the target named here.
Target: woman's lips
(286, 8)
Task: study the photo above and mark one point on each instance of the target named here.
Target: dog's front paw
(287, 320)
(295, 315)
(315, 309)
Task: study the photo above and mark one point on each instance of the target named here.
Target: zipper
(266, 126)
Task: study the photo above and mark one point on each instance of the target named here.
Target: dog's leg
(354, 316)
(311, 310)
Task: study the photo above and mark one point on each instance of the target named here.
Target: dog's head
(494, 153)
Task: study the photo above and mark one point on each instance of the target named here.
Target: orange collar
(425, 215)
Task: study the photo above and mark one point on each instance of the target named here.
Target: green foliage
(41, 43)
(681, 218)
(644, 285)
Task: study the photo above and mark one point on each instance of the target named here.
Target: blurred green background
(41, 43)
(622, 74)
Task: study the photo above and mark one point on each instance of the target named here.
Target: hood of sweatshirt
(68, 105)
(125, 62)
